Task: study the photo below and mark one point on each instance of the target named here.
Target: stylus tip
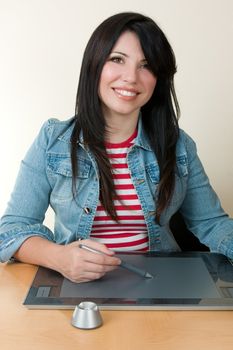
(148, 275)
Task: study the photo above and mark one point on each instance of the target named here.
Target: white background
(42, 42)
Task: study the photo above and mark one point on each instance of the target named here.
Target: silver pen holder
(86, 316)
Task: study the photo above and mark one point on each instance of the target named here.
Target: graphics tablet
(180, 281)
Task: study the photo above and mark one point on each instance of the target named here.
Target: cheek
(105, 79)
(148, 80)
(108, 74)
(102, 84)
(152, 83)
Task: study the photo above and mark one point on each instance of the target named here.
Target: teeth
(126, 93)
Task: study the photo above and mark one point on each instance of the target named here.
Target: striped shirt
(130, 233)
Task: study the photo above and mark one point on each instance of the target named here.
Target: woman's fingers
(98, 246)
(99, 259)
(80, 265)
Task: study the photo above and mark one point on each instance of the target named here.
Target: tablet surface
(180, 281)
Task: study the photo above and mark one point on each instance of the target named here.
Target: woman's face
(126, 82)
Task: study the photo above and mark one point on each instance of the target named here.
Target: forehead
(128, 43)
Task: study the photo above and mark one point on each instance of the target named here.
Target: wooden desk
(24, 329)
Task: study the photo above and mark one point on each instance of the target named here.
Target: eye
(116, 59)
(144, 65)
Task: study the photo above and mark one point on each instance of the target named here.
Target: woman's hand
(80, 265)
(74, 263)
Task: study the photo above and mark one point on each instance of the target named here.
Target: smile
(125, 92)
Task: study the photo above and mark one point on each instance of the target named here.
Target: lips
(126, 92)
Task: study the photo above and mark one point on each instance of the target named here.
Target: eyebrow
(125, 55)
(119, 52)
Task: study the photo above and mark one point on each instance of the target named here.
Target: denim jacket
(45, 178)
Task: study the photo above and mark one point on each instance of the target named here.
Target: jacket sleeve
(29, 200)
(202, 209)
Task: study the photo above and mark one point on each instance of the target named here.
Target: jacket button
(87, 210)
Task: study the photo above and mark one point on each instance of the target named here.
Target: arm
(29, 201)
(72, 262)
(22, 233)
(202, 209)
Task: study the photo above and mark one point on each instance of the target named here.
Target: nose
(129, 74)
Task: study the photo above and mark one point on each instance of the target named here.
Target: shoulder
(185, 144)
(184, 137)
(54, 129)
(56, 126)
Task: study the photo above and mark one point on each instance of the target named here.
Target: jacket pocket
(61, 164)
(152, 169)
(60, 172)
(181, 170)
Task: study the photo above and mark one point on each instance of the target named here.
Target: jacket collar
(140, 141)
(66, 135)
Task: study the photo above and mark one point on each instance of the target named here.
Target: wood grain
(122, 330)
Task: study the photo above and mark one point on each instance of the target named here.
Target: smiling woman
(126, 84)
(158, 112)
(116, 172)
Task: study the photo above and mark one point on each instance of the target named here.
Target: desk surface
(125, 330)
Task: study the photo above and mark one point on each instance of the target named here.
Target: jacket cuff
(10, 241)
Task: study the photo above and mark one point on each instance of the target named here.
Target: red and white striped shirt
(130, 234)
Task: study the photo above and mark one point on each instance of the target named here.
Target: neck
(121, 128)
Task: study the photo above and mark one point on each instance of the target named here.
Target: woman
(116, 172)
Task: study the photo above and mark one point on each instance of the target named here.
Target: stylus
(123, 264)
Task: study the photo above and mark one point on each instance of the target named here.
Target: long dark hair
(159, 115)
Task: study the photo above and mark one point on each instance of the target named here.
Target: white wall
(42, 42)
